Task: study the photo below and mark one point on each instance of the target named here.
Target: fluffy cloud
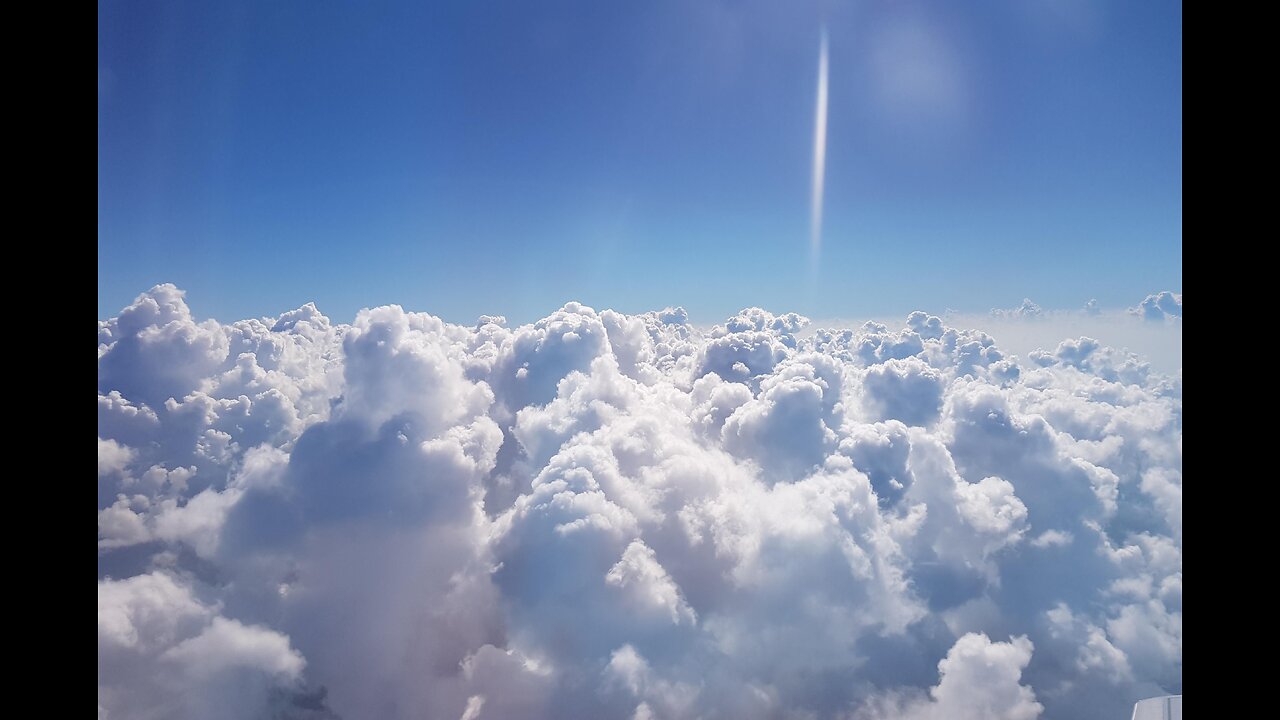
(1026, 311)
(647, 583)
(629, 516)
(1160, 306)
(979, 680)
(162, 651)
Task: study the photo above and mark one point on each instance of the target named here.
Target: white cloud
(227, 644)
(113, 457)
(609, 515)
(1160, 306)
(1052, 538)
(647, 583)
(1029, 327)
(145, 611)
(907, 390)
(990, 507)
(1026, 311)
(162, 650)
(979, 680)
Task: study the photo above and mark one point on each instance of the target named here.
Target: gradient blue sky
(504, 157)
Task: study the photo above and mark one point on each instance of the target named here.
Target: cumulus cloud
(629, 516)
(227, 644)
(908, 390)
(979, 680)
(648, 584)
(1026, 311)
(163, 651)
(1160, 306)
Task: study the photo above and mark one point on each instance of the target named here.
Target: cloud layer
(627, 516)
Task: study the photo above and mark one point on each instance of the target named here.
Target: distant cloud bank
(627, 516)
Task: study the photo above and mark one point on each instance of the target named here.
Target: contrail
(819, 156)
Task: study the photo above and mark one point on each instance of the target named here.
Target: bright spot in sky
(819, 155)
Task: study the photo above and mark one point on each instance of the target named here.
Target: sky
(507, 157)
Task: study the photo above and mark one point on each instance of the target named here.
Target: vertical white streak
(819, 155)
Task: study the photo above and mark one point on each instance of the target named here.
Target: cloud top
(628, 516)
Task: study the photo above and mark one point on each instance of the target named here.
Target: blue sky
(504, 157)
